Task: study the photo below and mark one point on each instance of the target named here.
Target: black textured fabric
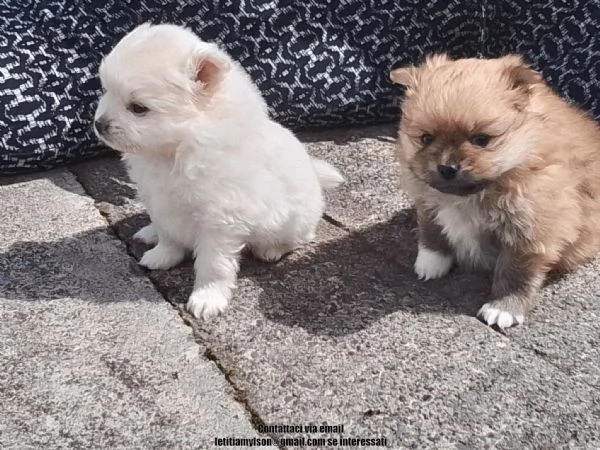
(560, 37)
(317, 62)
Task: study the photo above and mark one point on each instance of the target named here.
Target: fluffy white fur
(430, 264)
(462, 223)
(214, 172)
(495, 316)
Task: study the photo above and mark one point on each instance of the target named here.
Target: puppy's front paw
(431, 264)
(207, 303)
(147, 235)
(504, 312)
(162, 257)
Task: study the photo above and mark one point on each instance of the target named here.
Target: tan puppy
(505, 174)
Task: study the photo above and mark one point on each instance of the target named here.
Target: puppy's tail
(329, 177)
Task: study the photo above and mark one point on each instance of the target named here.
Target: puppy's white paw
(147, 235)
(494, 314)
(162, 257)
(431, 264)
(207, 303)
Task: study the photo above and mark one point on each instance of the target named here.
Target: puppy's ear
(209, 68)
(436, 60)
(406, 76)
(520, 74)
(409, 76)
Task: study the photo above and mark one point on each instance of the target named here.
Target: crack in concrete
(238, 394)
(336, 223)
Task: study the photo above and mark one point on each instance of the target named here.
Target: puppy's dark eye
(137, 109)
(480, 140)
(427, 139)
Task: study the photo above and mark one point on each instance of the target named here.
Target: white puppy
(215, 173)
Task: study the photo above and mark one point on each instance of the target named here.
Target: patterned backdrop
(317, 62)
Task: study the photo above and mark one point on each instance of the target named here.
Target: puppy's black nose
(101, 125)
(448, 171)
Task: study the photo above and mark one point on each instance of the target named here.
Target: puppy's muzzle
(102, 126)
(450, 179)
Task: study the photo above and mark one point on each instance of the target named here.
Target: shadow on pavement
(340, 287)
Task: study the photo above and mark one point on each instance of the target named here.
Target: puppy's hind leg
(270, 250)
(147, 235)
(216, 266)
(165, 255)
(517, 280)
(271, 247)
(435, 257)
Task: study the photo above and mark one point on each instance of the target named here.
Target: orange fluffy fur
(539, 207)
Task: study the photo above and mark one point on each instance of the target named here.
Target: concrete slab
(366, 158)
(565, 329)
(349, 344)
(92, 356)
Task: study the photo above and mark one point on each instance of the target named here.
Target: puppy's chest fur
(173, 202)
(477, 232)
